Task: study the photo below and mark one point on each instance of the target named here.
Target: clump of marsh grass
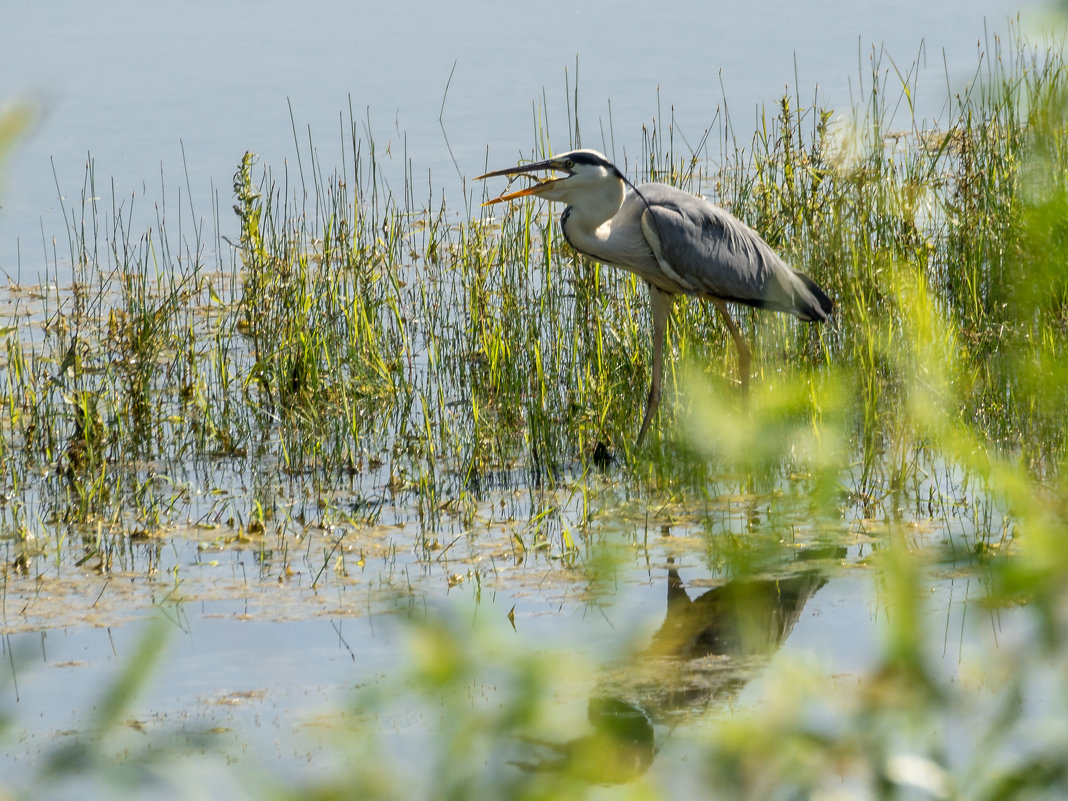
(316, 308)
(353, 334)
(356, 341)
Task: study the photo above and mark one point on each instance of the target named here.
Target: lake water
(165, 103)
(191, 87)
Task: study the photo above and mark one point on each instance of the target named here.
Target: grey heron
(675, 241)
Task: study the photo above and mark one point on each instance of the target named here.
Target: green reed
(350, 328)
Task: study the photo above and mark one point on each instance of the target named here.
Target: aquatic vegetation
(352, 378)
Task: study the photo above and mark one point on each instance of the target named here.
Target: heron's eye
(569, 164)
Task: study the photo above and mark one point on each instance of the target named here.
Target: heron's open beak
(525, 170)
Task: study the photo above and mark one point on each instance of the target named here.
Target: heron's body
(680, 243)
(677, 243)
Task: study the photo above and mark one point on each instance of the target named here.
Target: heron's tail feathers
(811, 303)
(789, 292)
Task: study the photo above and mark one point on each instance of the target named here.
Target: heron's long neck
(582, 224)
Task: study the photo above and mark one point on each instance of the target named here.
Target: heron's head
(581, 172)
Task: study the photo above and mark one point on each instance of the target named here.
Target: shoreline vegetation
(352, 378)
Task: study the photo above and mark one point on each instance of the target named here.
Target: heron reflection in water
(707, 647)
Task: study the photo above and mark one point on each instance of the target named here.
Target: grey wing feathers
(707, 251)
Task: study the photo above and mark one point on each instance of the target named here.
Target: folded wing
(708, 251)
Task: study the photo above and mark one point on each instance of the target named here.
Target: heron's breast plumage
(619, 242)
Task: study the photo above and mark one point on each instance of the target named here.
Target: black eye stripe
(588, 158)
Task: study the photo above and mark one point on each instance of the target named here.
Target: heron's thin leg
(739, 342)
(660, 306)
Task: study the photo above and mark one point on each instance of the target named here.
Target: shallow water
(238, 689)
(267, 652)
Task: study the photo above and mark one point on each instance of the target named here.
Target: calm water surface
(191, 87)
(278, 694)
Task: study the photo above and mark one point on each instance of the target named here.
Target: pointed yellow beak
(530, 190)
(525, 171)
